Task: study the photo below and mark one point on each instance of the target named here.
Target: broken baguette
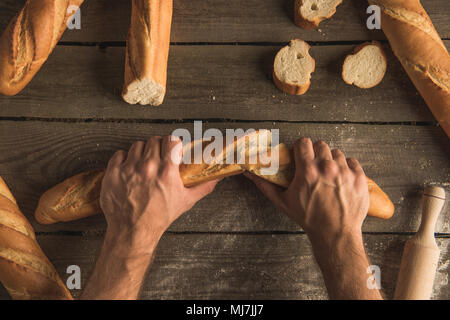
(78, 196)
(293, 67)
(366, 67)
(147, 52)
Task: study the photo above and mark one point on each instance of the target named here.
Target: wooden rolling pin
(421, 253)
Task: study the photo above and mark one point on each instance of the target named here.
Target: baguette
(78, 196)
(147, 52)
(29, 39)
(292, 68)
(365, 68)
(25, 271)
(421, 51)
(309, 13)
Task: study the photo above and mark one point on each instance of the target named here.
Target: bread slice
(292, 68)
(309, 13)
(365, 68)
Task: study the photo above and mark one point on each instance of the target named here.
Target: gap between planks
(107, 44)
(210, 120)
(253, 233)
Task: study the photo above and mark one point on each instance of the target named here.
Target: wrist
(129, 244)
(338, 246)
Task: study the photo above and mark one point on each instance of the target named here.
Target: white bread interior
(293, 67)
(144, 91)
(317, 10)
(365, 68)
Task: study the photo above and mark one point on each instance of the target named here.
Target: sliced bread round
(292, 68)
(309, 13)
(365, 68)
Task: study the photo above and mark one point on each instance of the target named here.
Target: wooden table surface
(233, 244)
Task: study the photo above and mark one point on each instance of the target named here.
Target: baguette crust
(422, 53)
(309, 24)
(291, 89)
(78, 196)
(358, 49)
(287, 86)
(25, 271)
(147, 52)
(29, 39)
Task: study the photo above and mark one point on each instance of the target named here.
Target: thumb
(202, 190)
(273, 192)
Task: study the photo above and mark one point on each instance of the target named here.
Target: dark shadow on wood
(9, 10)
(266, 62)
(288, 7)
(390, 265)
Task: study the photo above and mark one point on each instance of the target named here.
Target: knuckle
(166, 174)
(330, 168)
(149, 168)
(311, 172)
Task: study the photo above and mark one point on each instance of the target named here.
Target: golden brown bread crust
(25, 271)
(4, 191)
(147, 52)
(422, 53)
(78, 196)
(291, 89)
(304, 23)
(29, 39)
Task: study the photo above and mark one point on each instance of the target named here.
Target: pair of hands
(142, 193)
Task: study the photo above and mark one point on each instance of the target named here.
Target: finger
(171, 150)
(339, 157)
(303, 152)
(322, 151)
(354, 165)
(117, 159)
(135, 152)
(152, 148)
(202, 190)
(273, 192)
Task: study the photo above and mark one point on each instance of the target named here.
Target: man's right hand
(329, 199)
(328, 196)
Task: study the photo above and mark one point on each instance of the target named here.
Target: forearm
(119, 271)
(344, 266)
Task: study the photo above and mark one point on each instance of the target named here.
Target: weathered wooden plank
(230, 21)
(239, 266)
(220, 82)
(36, 155)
